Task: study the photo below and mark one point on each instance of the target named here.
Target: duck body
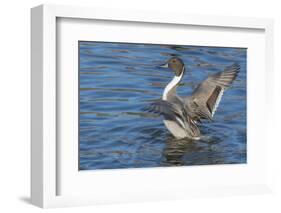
(181, 129)
(182, 114)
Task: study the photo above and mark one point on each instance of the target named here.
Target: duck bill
(164, 65)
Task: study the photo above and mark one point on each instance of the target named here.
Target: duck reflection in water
(185, 151)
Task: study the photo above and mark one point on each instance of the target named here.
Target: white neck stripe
(172, 84)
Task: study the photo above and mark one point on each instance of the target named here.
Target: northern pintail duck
(182, 114)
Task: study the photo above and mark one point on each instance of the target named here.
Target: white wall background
(15, 98)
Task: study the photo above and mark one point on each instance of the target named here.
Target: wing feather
(177, 114)
(206, 97)
(169, 110)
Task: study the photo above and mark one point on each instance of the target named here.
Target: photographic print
(158, 105)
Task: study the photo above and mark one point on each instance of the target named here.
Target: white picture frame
(45, 173)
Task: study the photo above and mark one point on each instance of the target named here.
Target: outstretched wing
(206, 97)
(169, 110)
(175, 113)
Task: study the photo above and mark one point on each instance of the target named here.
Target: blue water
(117, 80)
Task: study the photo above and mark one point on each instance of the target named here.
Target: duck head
(175, 64)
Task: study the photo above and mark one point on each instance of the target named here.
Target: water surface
(117, 80)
